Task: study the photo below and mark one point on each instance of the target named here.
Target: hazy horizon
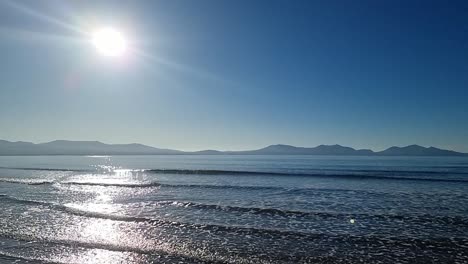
(237, 75)
(223, 150)
(258, 146)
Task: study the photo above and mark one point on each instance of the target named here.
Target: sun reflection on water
(101, 256)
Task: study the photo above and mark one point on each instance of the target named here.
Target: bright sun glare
(109, 42)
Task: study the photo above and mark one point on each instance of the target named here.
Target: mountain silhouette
(68, 147)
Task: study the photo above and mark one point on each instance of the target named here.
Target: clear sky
(237, 74)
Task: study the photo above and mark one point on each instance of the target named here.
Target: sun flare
(109, 42)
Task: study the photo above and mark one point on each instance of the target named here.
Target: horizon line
(212, 149)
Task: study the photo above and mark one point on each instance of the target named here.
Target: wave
(105, 184)
(453, 220)
(157, 184)
(23, 201)
(318, 172)
(26, 181)
(241, 231)
(401, 170)
(77, 211)
(212, 172)
(406, 175)
(148, 250)
(15, 258)
(195, 186)
(137, 185)
(377, 246)
(47, 169)
(156, 222)
(350, 174)
(176, 253)
(252, 210)
(421, 218)
(192, 186)
(167, 185)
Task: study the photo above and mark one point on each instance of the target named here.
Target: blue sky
(237, 74)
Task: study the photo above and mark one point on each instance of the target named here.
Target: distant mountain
(415, 150)
(291, 150)
(16, 148)
(66, 147)
(412, 150)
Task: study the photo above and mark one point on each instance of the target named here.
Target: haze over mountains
(66, 147)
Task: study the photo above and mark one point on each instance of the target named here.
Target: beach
(233, 209)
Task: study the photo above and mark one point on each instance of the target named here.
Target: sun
(109, 42)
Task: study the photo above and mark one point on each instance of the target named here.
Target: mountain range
(67, 147)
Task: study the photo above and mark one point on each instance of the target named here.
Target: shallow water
(233, 209)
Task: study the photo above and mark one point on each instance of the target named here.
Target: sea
(233, 209)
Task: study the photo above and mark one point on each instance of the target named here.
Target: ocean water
(233, 209)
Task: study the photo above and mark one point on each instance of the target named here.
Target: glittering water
(233, 209)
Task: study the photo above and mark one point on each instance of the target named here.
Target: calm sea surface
(233, 209)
